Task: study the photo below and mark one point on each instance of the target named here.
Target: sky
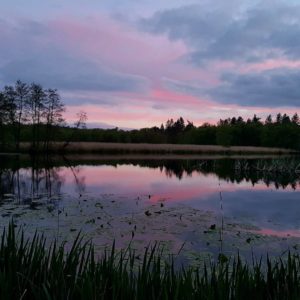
(137, 63)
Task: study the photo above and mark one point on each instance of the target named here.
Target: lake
(193, 207)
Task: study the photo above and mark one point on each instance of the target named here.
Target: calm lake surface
(194, 208)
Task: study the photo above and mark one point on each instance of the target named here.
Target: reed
(142, 148)
(281, 166)
(29, 269)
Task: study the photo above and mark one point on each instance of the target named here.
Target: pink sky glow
(154, 58)
(139, 71)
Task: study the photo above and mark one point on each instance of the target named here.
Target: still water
(193, 207)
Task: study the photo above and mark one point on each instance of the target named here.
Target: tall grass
(270, 166)
(29, 269)
(142, 148)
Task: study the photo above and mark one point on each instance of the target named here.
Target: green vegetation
(29, 113)
(29, 269)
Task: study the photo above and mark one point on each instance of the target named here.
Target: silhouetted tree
(269, 120)
(295, 119)
(240, 121)
(80, 123)
(255, 119)
(54, 110)
(21, 99)
(286, 119)
(279, 118)
(3, 117)
(36, 103)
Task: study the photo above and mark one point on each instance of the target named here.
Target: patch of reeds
(29, 269)
(142, 148)
(270, 166)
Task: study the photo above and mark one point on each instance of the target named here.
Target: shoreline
(130, 148)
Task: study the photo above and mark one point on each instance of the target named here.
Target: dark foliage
(283, 133)
(29, 269)
(30, 113)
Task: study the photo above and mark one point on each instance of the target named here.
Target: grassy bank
(31, 270)
(121, 148)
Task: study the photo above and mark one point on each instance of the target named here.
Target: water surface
(194, 207)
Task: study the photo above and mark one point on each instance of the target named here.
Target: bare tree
(54, 110)
(21, 99)
(81, 120)
(3, 117)
(79, 123)
(36, 103)
(10, 98)
(9, 107)
(42, 110)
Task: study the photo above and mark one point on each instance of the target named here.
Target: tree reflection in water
(281, 172)
(35, 182)
(39, 179)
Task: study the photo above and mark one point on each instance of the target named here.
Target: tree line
(30, 109)
(30, 113)
(283, 132)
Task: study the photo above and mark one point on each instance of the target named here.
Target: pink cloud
(127, 50)
(105, 40)
(137, 111)
(123, 49)
(271, 64)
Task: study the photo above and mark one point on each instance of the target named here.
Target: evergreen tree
(295, 119)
